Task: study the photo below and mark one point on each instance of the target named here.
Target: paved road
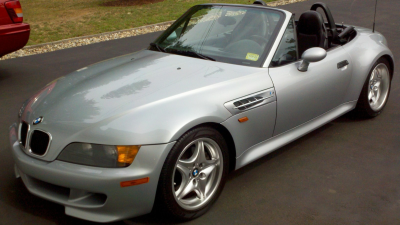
(346, 172)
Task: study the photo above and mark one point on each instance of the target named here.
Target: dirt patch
(129, 2)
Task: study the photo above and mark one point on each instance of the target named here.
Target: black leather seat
(311, 31)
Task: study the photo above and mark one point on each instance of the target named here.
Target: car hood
(115, 86)
(138, 99)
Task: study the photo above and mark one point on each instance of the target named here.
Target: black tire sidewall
(164, 193)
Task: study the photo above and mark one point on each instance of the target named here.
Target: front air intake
(39, 142)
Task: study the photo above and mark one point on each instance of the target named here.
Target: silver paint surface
(121, 202)
(258, 128)
(302, 96)
(141, 101)
(268, 146)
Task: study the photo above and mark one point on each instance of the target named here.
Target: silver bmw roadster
(223, 86)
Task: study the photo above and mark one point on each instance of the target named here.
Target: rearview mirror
(311, 55)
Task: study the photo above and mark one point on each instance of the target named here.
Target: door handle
(342, 64)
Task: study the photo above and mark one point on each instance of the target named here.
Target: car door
(303, 96)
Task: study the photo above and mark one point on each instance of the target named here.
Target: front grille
(39, 142)
(24, 133)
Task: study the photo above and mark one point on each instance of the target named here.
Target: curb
(100, 34)
(107, 36)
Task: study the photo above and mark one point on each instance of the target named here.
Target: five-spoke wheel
(379, 84)
(197, 173)
(376, 90)
(194, 173)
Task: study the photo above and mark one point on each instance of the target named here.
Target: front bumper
(93, 193)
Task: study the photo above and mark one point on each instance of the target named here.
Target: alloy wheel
(197, 173)
(379, 84)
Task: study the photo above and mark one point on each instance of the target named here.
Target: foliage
(53, 20)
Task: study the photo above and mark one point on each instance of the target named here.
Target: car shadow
(152, 218)
(5, 74)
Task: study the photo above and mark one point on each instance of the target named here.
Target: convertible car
(223, 86)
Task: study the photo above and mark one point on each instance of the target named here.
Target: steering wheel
(328, 14)
(259, 39)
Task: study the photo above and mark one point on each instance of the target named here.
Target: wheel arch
(391, 64)
(229, 141)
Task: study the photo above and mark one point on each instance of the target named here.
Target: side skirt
(263, 148)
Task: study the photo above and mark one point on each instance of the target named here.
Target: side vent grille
(248, 102)
(251, 101)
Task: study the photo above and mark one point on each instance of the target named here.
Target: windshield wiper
(196, 54)
(158, 47)
(204, 56)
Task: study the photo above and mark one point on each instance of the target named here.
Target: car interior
(312, 31)
(242, 36)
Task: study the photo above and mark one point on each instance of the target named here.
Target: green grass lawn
(53, 20)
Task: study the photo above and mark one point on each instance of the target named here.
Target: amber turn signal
(127, 153)
(243, 119)
(135, 182)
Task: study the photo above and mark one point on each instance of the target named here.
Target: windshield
(232, 34)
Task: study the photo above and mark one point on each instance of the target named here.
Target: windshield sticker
(252, 56)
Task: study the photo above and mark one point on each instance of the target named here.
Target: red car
(13, 33)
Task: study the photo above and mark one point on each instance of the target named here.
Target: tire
(375, 92)
(186, 197)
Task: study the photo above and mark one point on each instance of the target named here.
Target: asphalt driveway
(347, 172)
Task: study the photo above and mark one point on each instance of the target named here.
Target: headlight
(110, 156)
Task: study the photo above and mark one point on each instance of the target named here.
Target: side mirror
(311, 55)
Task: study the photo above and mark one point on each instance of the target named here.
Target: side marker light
(135, 182)
(243, 119)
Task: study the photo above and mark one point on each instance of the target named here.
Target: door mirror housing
(311, 55)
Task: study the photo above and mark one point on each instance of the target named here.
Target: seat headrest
(310, 22)
(226, 20)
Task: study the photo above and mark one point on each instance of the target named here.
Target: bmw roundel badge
(38, 120)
